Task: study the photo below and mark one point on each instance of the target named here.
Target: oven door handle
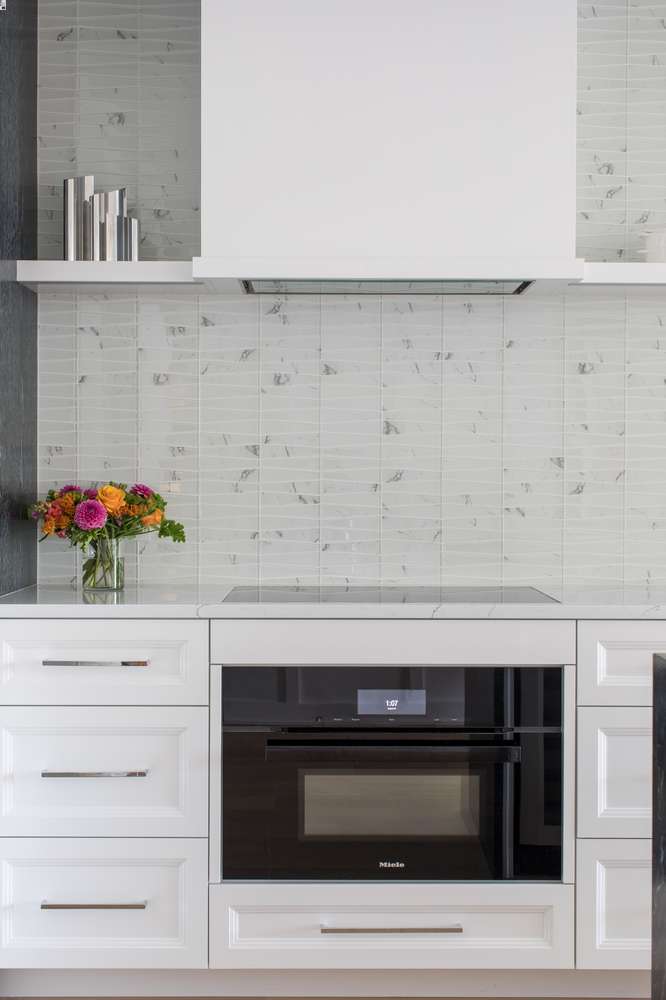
(321, 751)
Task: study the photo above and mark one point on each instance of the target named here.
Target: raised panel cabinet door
(615, 661)
(76, 662)
(613, 904)
(90, 903)
(614, 772)
(121, 772)
(381, 926)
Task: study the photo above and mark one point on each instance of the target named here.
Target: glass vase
(104, 567)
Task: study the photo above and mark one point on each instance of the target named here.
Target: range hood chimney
(378, 147)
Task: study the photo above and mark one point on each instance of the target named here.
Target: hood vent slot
(264, 286)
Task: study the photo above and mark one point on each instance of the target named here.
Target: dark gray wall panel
(18, 306)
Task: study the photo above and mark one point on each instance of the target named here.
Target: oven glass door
(371, 807)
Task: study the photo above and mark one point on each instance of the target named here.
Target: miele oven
(431, 773)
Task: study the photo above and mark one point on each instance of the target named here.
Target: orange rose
(112, 498)
(49, 526)
(151, 519)
(135, 508)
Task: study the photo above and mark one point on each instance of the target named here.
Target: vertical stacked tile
(411, 442)
(107, 94)
(57, 117)
(290, 351)
(168, 425)
(602, 181)
(645, 483)
(646, 121)
(229, 443)
(594, 449)
(533, 446)
(58, 453)
(106, 388)
(169, 140)
(351, 434)
(472, 444)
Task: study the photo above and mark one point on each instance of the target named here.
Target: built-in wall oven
(431, 773)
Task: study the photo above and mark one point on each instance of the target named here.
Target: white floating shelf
(38, 274)
(630, 273)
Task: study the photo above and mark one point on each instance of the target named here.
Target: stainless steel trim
(94, 774)
(95, 663)
(451, 929)
(93, 906)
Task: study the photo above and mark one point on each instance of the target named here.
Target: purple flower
(91, 494)
(90, 515)
(69, 489)
(141, 490)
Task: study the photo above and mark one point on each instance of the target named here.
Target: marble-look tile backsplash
(119, 97)
(339, 440)
(621, 118)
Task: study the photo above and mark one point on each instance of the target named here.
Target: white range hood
(378, 146)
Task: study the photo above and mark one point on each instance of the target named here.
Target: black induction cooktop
(387, 595)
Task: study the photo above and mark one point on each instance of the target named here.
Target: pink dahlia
(141, 490)
(90, 515)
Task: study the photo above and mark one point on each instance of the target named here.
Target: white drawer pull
(93, 906)
(451, 929)
(94, 774)
(95, 663)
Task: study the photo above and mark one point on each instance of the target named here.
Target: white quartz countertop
(152, 601)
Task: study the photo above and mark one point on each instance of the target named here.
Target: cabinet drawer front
(101, 903)
(614, 772)
(387, 926)
(615, 661)
(120, 772)
(439, 642)
(614, 904)
(104, 663)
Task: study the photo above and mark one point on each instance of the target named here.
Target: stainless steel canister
(77, 218)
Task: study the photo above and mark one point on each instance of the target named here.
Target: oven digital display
(392, 702)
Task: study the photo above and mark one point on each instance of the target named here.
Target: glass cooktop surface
(387, 595)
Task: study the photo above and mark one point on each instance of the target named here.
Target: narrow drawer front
(614, 772)
(104, 663)
(396, 927)
(101, 904)
(614, 904)
(438, 642)
(89, 772)
(615, 661)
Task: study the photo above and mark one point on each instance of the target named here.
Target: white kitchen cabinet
(102, 904)
(615, 661)
(381, 642)
(83, 772)
(88, 662)
(613, 904)
(382, 926)
(614, 772)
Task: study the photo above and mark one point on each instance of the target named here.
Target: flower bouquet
(95, 520)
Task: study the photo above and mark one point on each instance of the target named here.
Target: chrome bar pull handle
(450, 929)
(93, 906)
(95, 663)
(94, 774)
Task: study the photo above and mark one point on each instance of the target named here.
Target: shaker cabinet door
(613, 904)
(614, 772)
